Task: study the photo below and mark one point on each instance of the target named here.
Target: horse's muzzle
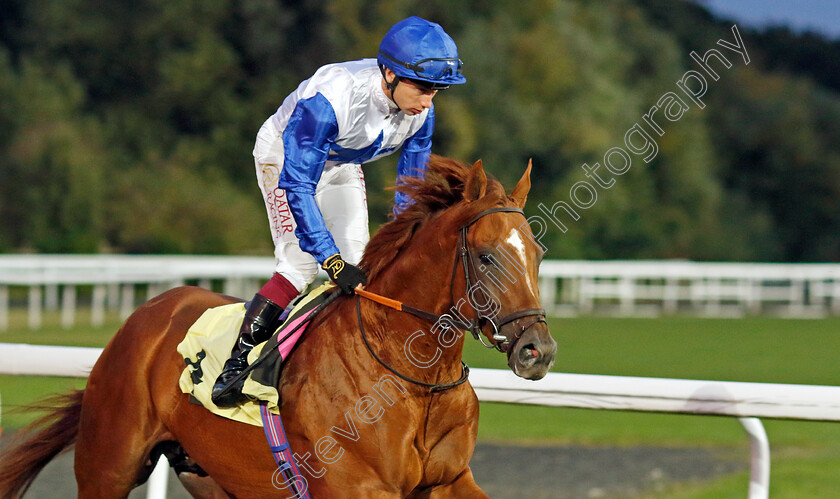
(533, 355)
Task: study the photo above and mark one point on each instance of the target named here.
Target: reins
(397, 305)
(474, 326)
(433, 387)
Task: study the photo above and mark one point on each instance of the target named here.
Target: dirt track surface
(508, 472)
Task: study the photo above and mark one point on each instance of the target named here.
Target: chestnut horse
(356, 398)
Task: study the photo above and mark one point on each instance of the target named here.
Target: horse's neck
(421, 278)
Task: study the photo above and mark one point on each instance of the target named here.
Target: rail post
(760, 460)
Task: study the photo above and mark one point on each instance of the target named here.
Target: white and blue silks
(308, 158)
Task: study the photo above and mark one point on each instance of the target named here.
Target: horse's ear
(476, 184)
(520, 192)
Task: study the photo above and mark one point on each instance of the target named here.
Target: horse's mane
(442, 187)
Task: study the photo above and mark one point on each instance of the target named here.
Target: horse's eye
(485, 259)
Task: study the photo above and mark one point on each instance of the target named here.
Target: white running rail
(746, 401)
(630, 288)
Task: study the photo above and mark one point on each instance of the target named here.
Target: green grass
(806, 455)
(18, 391)
(790, 478)
(752, 349)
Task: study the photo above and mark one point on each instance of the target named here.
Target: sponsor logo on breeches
(275, 197)
(281, 215)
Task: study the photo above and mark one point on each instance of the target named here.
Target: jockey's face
(413, 98)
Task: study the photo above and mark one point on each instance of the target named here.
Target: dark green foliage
(128, 126)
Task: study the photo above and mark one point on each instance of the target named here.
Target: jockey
(308, 159)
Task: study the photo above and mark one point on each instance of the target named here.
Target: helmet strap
(391, 86)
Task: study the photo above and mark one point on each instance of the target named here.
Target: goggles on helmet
(432, 68)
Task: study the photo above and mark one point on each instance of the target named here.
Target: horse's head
(480, 262)
(500, 259)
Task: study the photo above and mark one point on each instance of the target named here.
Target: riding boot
(260, 322)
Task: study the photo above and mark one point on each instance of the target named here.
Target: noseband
(500, 341)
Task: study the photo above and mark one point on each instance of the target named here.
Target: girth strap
(287, 468)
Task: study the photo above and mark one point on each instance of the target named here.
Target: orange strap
(388, 302)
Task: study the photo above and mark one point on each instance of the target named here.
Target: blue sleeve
(414, 158)
(306, 140)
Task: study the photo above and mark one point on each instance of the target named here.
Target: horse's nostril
(528, 353)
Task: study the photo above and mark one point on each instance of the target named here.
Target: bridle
(500, 342)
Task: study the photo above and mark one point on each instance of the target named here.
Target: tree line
(128, 126)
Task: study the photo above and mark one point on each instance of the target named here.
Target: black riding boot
(260, 321)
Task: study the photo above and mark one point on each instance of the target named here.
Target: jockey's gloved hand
(343, 274)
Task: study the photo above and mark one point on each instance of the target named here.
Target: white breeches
(340, 195)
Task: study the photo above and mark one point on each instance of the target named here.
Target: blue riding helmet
(418, 49)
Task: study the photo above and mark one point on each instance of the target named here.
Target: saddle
(207, 346)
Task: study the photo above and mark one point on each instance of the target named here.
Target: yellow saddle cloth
(207, 346)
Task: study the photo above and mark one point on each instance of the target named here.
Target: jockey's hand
(343, 274)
